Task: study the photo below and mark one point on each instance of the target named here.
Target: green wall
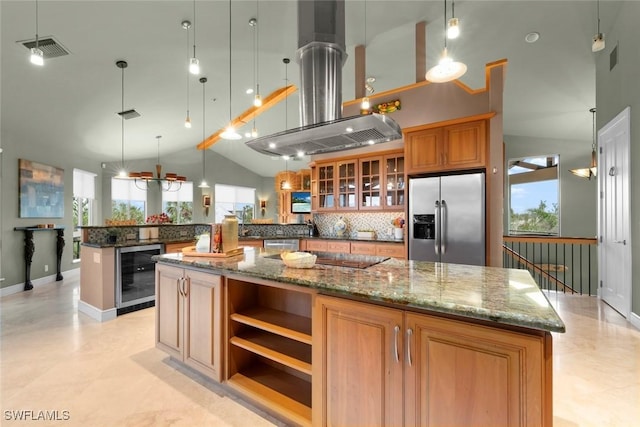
(578, 196)
(615, 90)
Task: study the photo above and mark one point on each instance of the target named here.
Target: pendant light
(366, 103)
(37, 56)
(194, 64)
(592, 170)
(187, 122)
(598, 40)
(170, 182)
(203, 184)
(453, 25)
(123, 173)
(253, 22)
(286, 185)
(447, 69)
(230, 132)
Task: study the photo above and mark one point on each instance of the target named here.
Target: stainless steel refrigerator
(447, 219)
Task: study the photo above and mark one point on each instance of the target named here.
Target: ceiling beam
(250, 113)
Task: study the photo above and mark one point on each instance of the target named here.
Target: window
(84, 195)
(533, 195)
(178, 205)
(232, 199)
(127, 201)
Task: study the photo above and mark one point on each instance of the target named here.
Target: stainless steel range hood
(321, 55)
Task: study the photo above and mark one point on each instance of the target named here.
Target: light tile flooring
(110, 374)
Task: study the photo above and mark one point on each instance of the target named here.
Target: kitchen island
(397, 343)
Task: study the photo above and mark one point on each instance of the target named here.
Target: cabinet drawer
(176, 247)
(252, 243)
(317, 245)
(363, 248)
(344, 247)
(391, 250)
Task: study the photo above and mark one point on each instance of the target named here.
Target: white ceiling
(72, 101)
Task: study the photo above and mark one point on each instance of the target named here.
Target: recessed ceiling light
(532, 37)
(349, 129)
(249, 91)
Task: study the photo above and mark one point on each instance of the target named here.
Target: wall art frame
(41, 190)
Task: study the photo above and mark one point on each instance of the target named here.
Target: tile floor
(53, 358)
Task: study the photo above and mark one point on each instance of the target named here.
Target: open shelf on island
(276, 389)
(278, 322)
(288, 352)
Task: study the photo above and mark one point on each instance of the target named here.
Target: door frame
(625, 116)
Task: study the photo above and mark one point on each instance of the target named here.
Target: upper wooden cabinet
(366, 183)
(459, 146)
(334, 186)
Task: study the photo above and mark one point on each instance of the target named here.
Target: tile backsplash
(379, 222)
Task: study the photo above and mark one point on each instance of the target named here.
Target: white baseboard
(634, 319)
(19, 287)
(96, 313)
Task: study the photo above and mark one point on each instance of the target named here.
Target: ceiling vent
(129, 114)
(50, 47)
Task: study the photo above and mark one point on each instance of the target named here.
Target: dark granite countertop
(129, 243)
(503, 296)
(305, 237)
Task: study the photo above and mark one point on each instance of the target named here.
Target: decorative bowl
(298, 259)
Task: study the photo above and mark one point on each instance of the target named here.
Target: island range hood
(321, 55)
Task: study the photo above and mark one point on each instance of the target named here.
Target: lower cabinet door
(169, 309)
(469, 375)
(357, 364)
(203, 323)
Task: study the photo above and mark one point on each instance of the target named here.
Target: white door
(614, 213)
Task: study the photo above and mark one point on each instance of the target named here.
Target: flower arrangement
(398, 222)
(162, 218)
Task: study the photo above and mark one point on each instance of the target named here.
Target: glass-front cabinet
(365, 183)
(347, 189)
(394, 182)
(370, 183)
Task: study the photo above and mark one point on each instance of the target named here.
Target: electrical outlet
(183, 233)
(46, 268)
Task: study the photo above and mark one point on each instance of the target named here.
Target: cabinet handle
(395, 342)
(187, 286)
(409, 334)
(180, 280)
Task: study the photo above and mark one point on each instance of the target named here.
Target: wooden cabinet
(358, 369)
(370, 183)
(435, 371)
(340, 246)
(175, 247)
(394, 184)
(335, 186)
(269, 346)
(254, 243)
(394, 250)
(189, 318)
(454, 147)
(363, 248)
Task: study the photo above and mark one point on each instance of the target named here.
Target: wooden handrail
(551, 239)
(535, 267)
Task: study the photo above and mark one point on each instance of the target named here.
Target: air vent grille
(50, 47)
(129, 114)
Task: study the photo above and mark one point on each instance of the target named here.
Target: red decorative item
(162, 218)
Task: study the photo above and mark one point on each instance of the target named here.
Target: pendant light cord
(598, 10)
(445, 24)
(203, 80)
(37, 41)
(257, 47)
(229, 62)
(593, 131)
(122, 122)
(194, 28)
(188, 69)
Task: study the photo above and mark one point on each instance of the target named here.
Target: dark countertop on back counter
(500, 295)
(129, 243)
(305, 237)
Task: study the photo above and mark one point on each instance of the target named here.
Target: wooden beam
(421, 51)
(250, 113)
(361, 70)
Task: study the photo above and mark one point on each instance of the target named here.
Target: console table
(30, 248)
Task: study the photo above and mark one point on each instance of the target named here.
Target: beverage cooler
(135, 277)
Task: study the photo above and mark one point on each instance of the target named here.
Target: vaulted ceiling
(72, 101)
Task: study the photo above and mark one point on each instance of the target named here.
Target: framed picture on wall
(41, 190)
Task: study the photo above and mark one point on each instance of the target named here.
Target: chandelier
(170, 181)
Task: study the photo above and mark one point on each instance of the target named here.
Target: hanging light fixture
(286, 185)
(194, 64)
(598, 40)
(37, 56)
(230, 131)
(592, 170)
(366, 103)
(203, 184)
(447, 69)
(170, 182)
(187, 122)
(253, 22)
(453, 25)
(123, 173)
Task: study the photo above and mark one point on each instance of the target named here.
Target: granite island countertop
(503, 296)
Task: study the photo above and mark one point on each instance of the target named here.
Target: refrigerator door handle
(443, 227)
(437, 227)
